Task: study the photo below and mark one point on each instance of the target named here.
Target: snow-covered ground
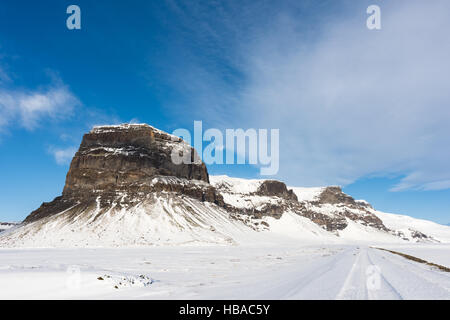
(436, 253)
(292, 271)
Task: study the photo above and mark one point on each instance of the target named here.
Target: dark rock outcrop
(276, 188)
(329, 223)
(418, 235)
(334, 195)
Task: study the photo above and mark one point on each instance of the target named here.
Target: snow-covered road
(365, 273)
(277, 272)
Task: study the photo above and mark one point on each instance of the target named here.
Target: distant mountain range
(122, 189)
(7, 225)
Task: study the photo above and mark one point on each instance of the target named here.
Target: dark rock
(329, 223)
(418, 235)
(334, 195)
(276, 188)
(366, 218)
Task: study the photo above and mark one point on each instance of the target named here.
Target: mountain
(6, 225)
(328, 207)
(123, 189)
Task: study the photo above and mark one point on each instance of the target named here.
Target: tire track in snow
(409, 280)
(350, 289)
(423, 271)
(362, 273)
(355, 286)
(319, 280)
(375, 294)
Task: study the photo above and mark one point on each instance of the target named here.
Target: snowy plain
(292, 271)
(436, 253)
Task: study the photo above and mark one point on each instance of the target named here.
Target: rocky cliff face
(116, 157)
(330, 208)
(127, 159)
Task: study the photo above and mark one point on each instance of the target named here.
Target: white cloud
(134, 121)
(28, 108)
(63, 156)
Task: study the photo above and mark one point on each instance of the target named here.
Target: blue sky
(367, 110)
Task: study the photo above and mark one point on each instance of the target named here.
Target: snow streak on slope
(358, 233)
(235, 185)
(307, 194)
(163, 220)
(296, 227)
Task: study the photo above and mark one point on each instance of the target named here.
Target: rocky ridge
(123, 188)
(331, 208)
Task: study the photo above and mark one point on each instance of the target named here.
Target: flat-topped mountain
(114, 157)
(122, 189)
(124, 158)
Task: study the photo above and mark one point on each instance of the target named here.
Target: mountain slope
(350, 220)
(158, 219)
(409, 227)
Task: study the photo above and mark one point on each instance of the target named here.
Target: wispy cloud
(29, 108)
(33, 108)
(356, 102)
(63, 156)
(349, 102)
